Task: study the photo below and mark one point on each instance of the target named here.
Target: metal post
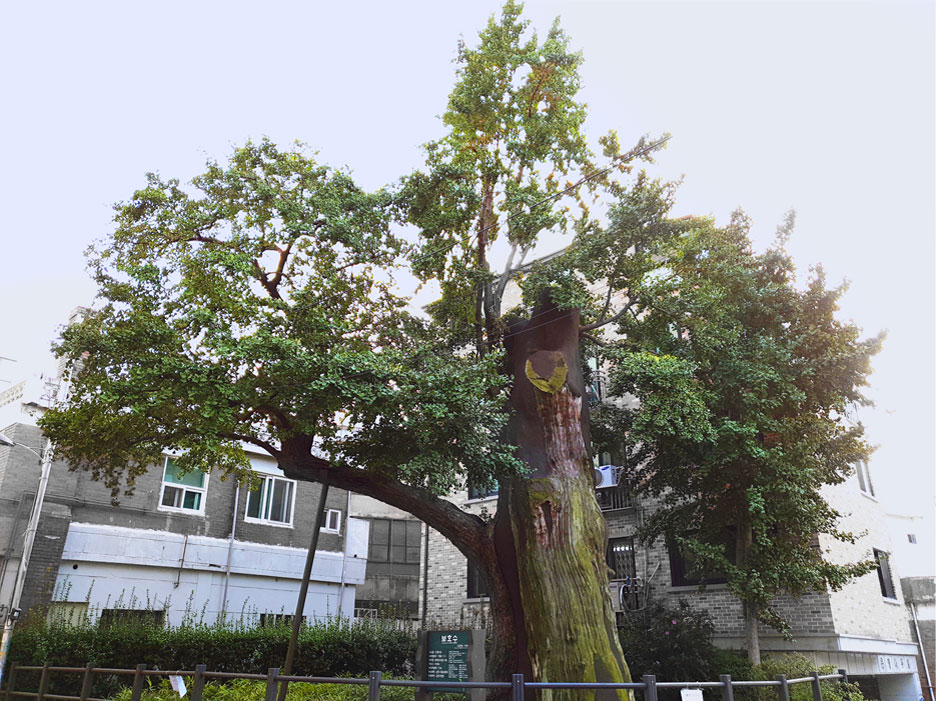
(727, 689)
(198, 682)
(10, 683)
(373, 686)
(86, 682)
(272, 674)
(844, 675)
(650, 687)
(304, 584)
(516, 687)
(816, 686)
(137, 693)
(783, 689)
(43, 682)
(926, 671)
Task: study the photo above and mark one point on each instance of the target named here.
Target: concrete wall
(118, 567)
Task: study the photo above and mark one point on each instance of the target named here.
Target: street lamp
(45, 458)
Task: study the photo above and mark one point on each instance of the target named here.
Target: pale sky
(824, 107)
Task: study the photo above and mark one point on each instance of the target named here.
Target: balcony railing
(614, 498)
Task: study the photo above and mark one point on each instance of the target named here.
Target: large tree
(255, 305)
(745, 381)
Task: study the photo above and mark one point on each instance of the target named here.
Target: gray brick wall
(809, 615)
(72, 496)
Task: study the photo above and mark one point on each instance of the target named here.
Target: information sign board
(447, 659)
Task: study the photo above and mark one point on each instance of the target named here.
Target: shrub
(245, 690)
(325, 649)
(794, 666)
(674, 644)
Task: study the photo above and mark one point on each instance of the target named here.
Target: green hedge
(325, 649)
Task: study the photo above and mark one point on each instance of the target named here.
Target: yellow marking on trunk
(554, 383)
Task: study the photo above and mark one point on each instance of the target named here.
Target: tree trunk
(751, 639)
(743, 543)
(549, 533)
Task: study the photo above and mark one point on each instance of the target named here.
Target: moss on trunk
(561, 602)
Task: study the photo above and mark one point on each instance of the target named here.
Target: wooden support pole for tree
(304, 584)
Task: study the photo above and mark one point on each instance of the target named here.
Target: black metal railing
(273, 679)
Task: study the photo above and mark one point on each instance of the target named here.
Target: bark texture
(549, 527)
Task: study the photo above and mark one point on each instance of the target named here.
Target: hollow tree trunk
(549, 533)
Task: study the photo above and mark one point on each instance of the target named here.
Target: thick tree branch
(466, 531)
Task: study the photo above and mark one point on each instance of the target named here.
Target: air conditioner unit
(627, 594)
(606, 476)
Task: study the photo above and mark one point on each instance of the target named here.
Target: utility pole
(46, 468)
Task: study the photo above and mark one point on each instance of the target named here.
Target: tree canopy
(255, 305)
(745, 383)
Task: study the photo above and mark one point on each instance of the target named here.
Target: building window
(884, 574)
(183, 493)
(864, 478)
(331, 521)
(911, 537)
(481, 492)
(621, 560)
(272, 501)
(685, 571)
(147, 617)
(391, 584)
(477, 582)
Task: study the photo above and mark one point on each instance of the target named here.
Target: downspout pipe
(344, 557)
(227, 566)
(916, 628)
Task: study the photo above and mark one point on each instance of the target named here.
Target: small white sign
(178, 684)
(690, 694)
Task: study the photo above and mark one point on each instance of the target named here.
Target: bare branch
(604, 322)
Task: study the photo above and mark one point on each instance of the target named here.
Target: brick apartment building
(863, 628)
(187, 546)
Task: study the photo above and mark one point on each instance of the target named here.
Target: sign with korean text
(447, 658)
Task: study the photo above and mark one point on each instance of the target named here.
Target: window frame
(327, 516)
(266, 520)
(863, 473)
(203, 491)
(885, 574)
(476, 585)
